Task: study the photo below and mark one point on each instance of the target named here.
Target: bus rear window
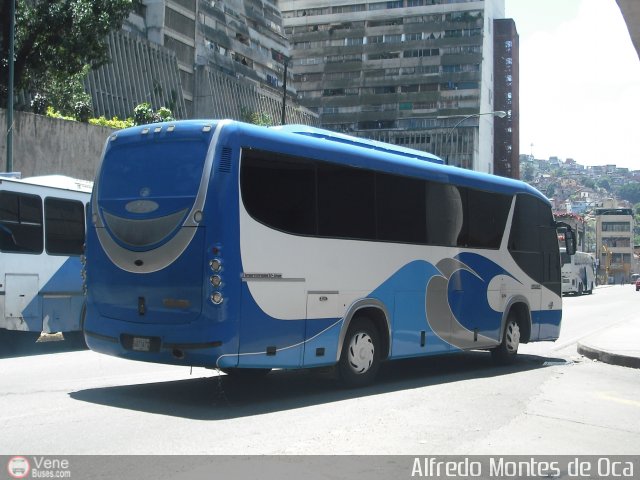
(170, 168)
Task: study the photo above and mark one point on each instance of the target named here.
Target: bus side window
(400, 205)
(524, 241)
(279, 192)
(346, 200)
(64, 226)
(444, 214)
(20, 223)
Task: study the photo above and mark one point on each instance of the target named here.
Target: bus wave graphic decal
(457, 303)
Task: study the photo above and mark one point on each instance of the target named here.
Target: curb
(608, 357)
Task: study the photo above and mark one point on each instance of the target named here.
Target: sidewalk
(617, 345)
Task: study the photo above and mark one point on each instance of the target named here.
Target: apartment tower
(222, 59)
(417, 73)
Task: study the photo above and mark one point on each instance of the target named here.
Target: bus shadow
(221, 397)
(23, 344)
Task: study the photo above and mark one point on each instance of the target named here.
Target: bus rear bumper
(174, 348)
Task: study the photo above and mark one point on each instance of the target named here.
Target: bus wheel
(590, 291)
(360, 358)
(505, 353)
(580, 291)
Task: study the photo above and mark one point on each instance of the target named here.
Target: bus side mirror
(570, 241)
(569, 237)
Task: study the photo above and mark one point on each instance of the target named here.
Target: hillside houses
(572, 187)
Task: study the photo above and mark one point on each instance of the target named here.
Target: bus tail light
(215, 264)
(216, 298)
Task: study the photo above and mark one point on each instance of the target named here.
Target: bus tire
(505, 353)
(580, 289)
(360, 358)
(590, 291)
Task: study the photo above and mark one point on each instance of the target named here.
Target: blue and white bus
(42, 233)
(232, 246)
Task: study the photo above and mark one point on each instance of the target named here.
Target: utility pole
(12, 37)
(284, 93)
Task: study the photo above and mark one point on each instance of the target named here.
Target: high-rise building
(229, 58)
(417, 73)
(506, 138)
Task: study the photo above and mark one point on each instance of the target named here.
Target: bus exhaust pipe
(177, 354)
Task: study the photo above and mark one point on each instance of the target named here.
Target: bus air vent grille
(225, 160)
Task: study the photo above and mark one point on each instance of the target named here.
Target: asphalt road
(62, 400)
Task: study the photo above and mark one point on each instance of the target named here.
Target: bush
(82, 111)
(115, 122)
(165, 114)
(143, 114)
(39, 104)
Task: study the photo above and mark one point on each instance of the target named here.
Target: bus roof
(316, 143)
(359, 142)
(55, 181)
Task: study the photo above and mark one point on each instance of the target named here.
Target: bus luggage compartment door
(23, 310)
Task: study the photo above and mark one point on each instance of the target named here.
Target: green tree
(527, 174)
(550, 191)
(257, 118)
(630, 192)
(67, 95)
(604, 183)
(55, 39)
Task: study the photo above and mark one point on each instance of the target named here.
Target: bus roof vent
(225, 160)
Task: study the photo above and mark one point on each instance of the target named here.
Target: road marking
(623, 401)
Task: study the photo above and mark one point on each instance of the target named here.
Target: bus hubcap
(361, 352)
(512, 337)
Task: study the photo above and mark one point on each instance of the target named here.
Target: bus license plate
(141, 344)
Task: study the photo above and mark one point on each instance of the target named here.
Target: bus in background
(42, 233)
(578, 273)
(226, 245)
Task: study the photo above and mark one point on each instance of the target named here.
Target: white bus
(578, 273)
(42, 233)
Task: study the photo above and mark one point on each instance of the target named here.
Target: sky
(579, 82)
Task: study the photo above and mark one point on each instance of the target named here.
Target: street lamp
(497, 113)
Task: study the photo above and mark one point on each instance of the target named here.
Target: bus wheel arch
(375, 312)
(360, 353)
(364, 344)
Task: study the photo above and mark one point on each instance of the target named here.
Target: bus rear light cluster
(83, 270)
(216, 279)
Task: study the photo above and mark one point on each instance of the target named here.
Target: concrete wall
(48, 146)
